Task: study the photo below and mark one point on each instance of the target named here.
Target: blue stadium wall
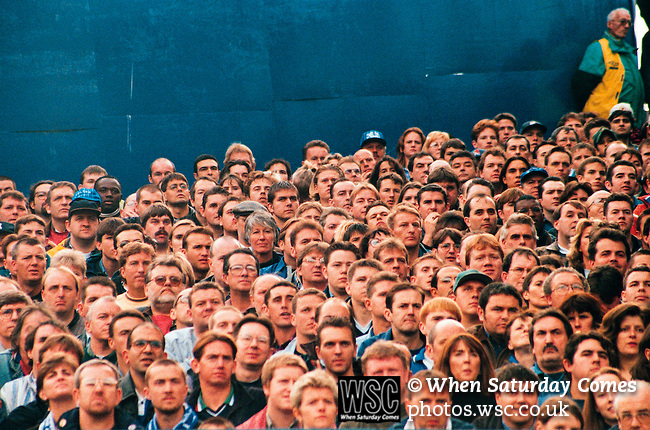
(122, 82)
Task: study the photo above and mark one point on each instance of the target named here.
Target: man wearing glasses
(608, 73)
(562, 283)
(632, 409)
(97, 393)
(144, 345)
(164, 282)
(176, 191)
(11, 304)
(253, 337)
(240, 269)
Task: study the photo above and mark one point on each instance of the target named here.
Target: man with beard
(157, 223)
(549, 333)
(176, 190)
(37, 197)
(164, 282)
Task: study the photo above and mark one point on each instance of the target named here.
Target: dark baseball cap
(246, 208)
(85, 200)
(601, 132)
(471, 275)
(533, 124)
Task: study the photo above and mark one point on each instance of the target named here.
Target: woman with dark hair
(371, 239)
(624, 327)
(598, 412)
(409, 143)
(354, 233)
(577, 256)
(584, 311)
(385, 165)
(280, 167)
(510, 175)
(579, 191)
(464, 358)
(641, 369)
(446, 244)
(532, 288)
(409, 193)
(234, 185)
(239, 168)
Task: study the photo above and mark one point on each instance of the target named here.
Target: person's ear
(388, 315)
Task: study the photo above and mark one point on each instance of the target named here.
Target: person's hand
(431, 221)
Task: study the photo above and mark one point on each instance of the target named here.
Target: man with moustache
(549, 333)
(157, 223)
(164, 282)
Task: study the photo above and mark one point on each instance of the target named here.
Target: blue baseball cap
(534, 171)
(372, 136)
(85, 200)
